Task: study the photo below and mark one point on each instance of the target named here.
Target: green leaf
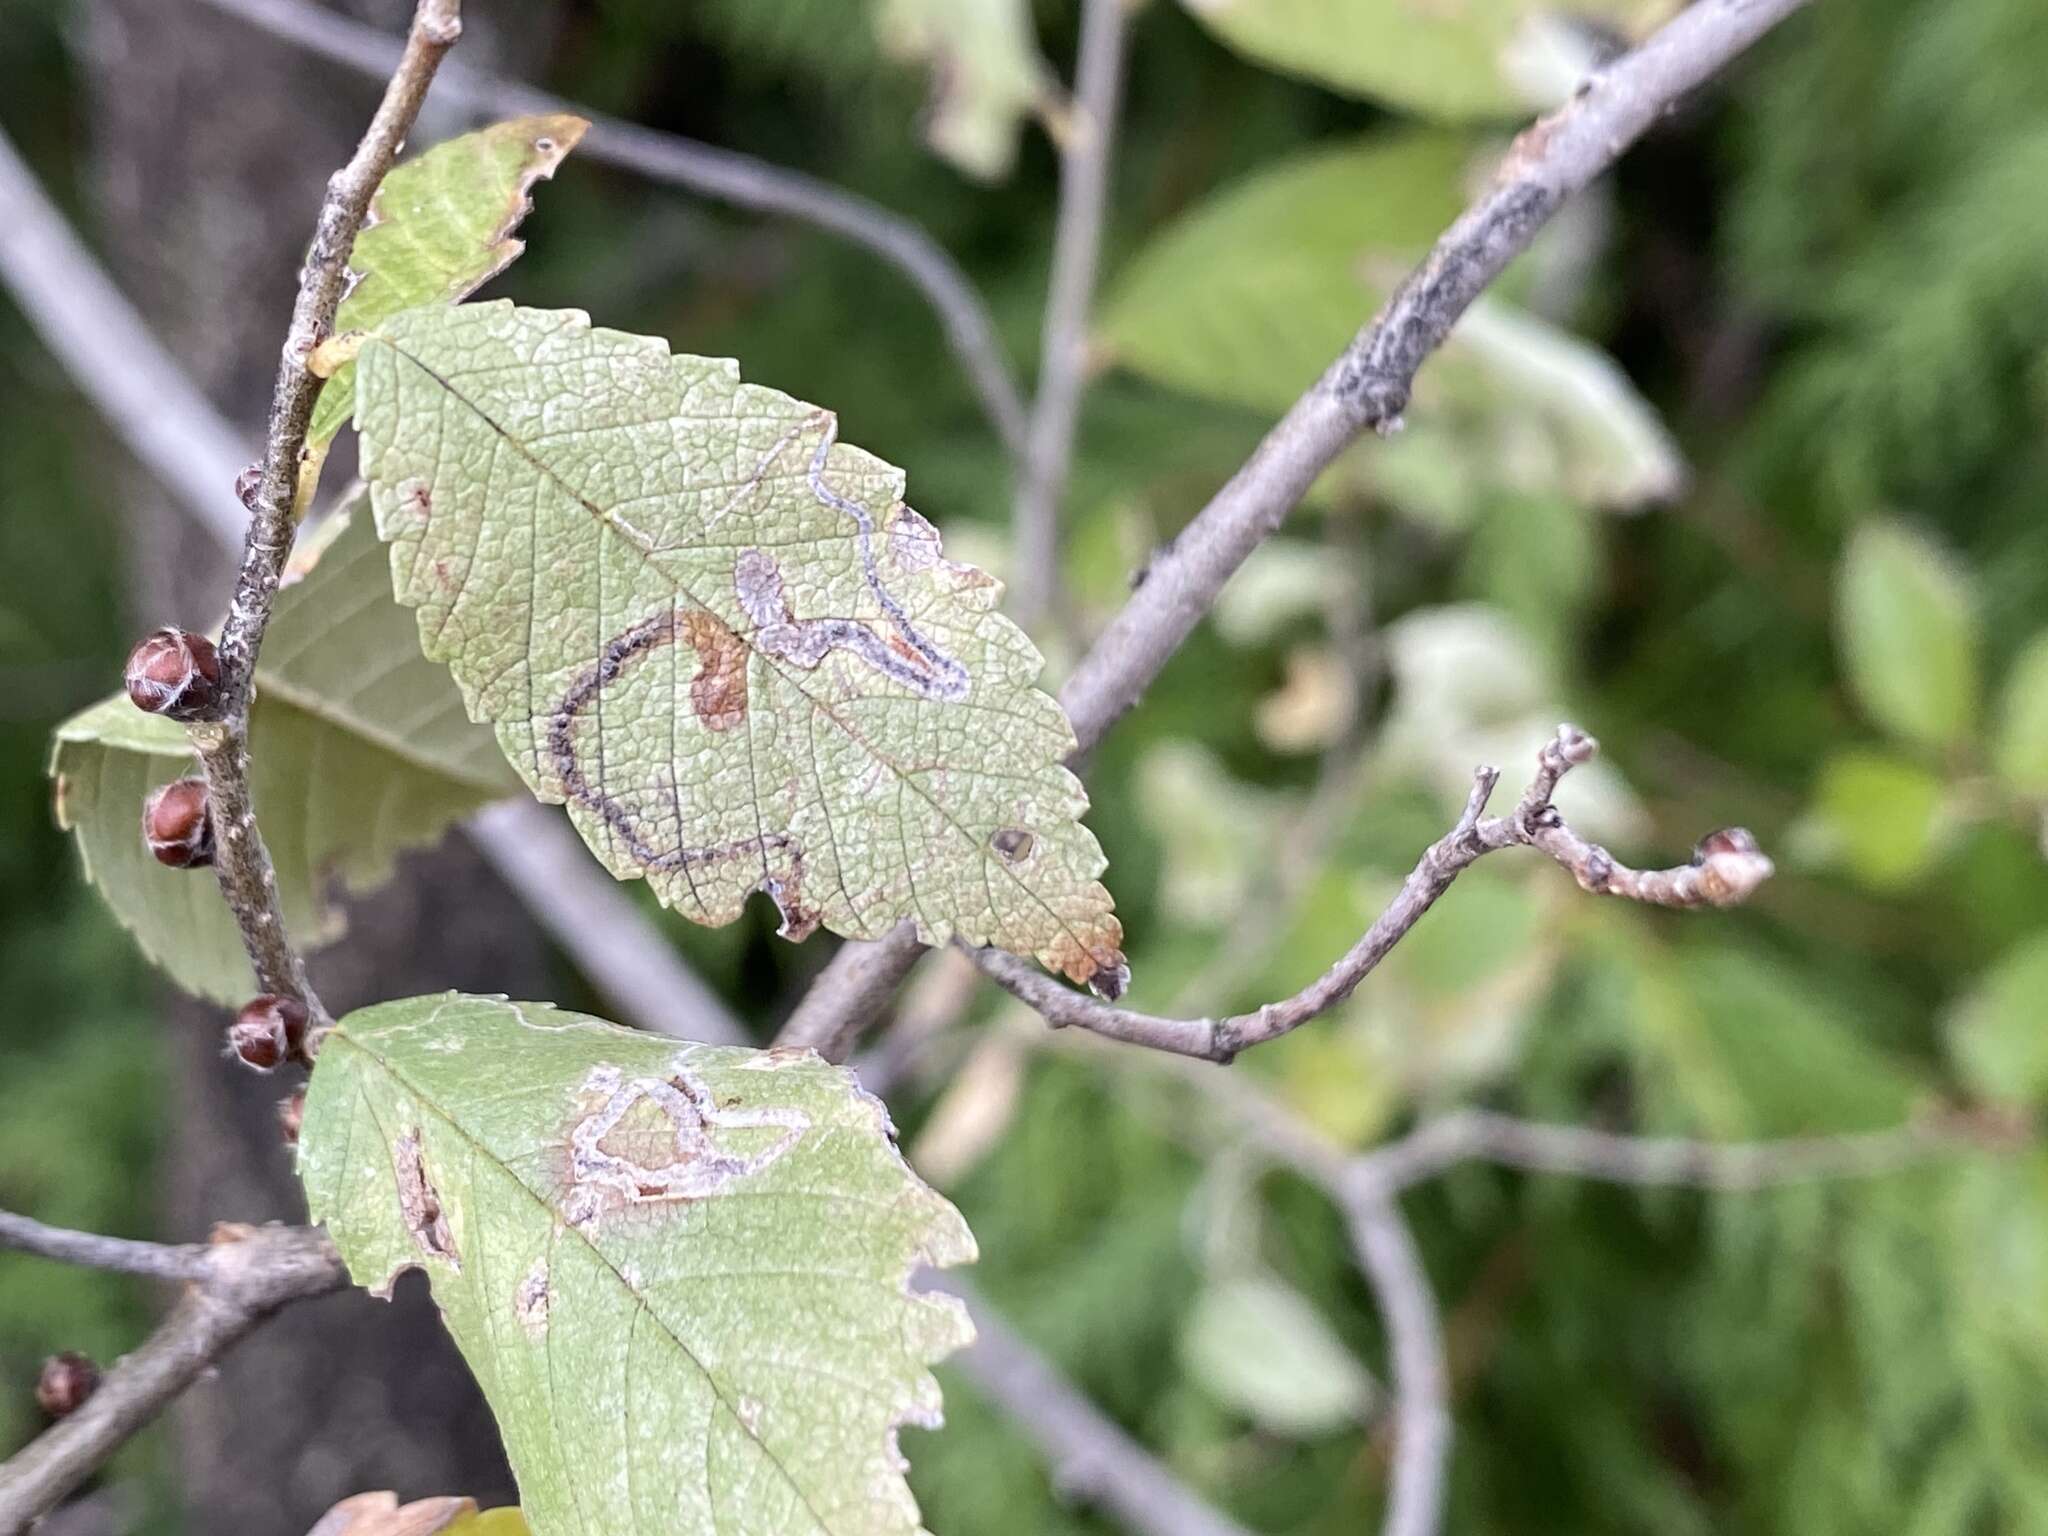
(1471, 59)
(1798, 1063)
(1216, 833)
(987, 74)
(679, 1272)
(1246, 299)
(2021, 752)
(1998, 1032)
(360, 750)
(722, 638)
(1879, 817)
(440, 227)
(1907, 622)
(1260, 1347)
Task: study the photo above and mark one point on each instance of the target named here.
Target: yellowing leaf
(440, 227)
(1906, 617)
(721, 637)
(360, 750)
(680, 1273)
(1448, 58)
(380, 1514)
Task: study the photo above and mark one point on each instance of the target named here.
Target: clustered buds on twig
(291, 1116)
(174, 673)
(177, 824)
(268, 1032)
(67, 1380)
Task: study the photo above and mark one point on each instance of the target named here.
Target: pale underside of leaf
(679, 1273)
(439, 228)
(360, 750)
(720, 636)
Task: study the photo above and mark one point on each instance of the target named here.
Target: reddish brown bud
(176, 826)
(174, 673)
(268, 1032)
(289, 1012)
(66, 1382)
(248, 484)
(291, 1116)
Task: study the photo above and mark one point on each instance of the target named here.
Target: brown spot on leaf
(651, 1142)
(718, 693)
(420, 1203)
(785, 887)
(1100, 967)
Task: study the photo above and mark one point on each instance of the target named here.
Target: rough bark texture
(212, 147)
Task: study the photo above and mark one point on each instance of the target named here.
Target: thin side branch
(1090, 1455)
(90, 327)
(850, 993)
(241, 861)
(1367, 387)
(1481, 1136)
(1063, 354)
(159, 1261)
(735, 179)
(1415, 1353)
(1725, 870)
(246, 1274)
(614, 943)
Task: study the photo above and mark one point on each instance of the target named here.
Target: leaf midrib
(642, 1305)
(605, 521)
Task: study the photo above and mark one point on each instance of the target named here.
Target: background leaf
(986, 71)
(1473, 59)
(1997, 1031)
(1261, 1347)
(680, 1273)
(1877, 816)
(1908, 632)
(360, 749)
(724, 639)
(440, 227)
(2022, 746)
(1246, 299)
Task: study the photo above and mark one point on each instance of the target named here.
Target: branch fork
(1726, 869)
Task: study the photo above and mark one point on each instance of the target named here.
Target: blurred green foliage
(1826, 279)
